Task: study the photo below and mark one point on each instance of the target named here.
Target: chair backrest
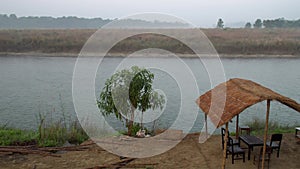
(223, 135)
(276, 138)
(230, 142)
(223, 131)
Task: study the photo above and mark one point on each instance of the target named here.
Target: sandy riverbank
(187, 154)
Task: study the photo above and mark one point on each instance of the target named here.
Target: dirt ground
(187, 154)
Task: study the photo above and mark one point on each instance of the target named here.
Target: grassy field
(226, 41)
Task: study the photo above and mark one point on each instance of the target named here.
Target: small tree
(248, 25)
(220, 23)
(13, 16)
(127, 91)
(258, 23)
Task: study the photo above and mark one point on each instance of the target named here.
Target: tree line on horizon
(31, 22)
(72, 22)
(269, 23)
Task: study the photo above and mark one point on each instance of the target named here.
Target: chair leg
(232, 159)
(243, 157)
(277, 153)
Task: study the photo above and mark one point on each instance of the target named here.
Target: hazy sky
(198, 12)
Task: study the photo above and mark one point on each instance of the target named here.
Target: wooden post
(266, 134)
(225, 146)
(237, 127)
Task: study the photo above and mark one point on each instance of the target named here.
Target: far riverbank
(227, 42)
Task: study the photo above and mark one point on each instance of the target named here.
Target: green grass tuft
(10, 137)
(258, 127)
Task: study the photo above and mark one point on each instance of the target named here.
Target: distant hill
(72, 22)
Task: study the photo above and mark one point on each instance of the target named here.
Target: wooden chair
(235, 141)
(234, 150)
(275, 142)
(259, 156)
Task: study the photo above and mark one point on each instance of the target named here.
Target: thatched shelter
(230, 98)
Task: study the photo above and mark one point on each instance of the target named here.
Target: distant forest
(72, 22)
(31, 22)
(281, 23)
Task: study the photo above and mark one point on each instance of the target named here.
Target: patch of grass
(258, 127)
(47, 135)
(17, 137)
(52, 135)
(76, 134)
(57, 134)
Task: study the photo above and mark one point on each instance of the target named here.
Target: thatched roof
(229, 99)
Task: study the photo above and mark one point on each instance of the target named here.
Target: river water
(31, 86)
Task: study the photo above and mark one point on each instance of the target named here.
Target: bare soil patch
(187, 154)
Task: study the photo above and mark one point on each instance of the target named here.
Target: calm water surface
(43, 85)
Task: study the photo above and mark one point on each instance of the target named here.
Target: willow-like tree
(128, 91)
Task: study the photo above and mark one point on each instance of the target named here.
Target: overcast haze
(198, 12)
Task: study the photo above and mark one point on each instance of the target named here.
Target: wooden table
(251, 142)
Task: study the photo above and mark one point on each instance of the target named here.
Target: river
(31, 86)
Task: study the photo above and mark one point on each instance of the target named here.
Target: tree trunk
(142, 120)
(130, 125)
(130, 122)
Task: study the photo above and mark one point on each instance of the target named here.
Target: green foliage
(16, 137)
(76, 134)
(248, 25)
(258, 126)
(281, 23)
(232, 133)
(129, 90)
(258, 23)
(220, 23)
(58, 133)
(53, 135)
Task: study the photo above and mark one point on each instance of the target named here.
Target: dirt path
(187, 154)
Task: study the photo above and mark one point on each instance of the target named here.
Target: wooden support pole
(225, 146)
(237, 127)
(266, 134)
